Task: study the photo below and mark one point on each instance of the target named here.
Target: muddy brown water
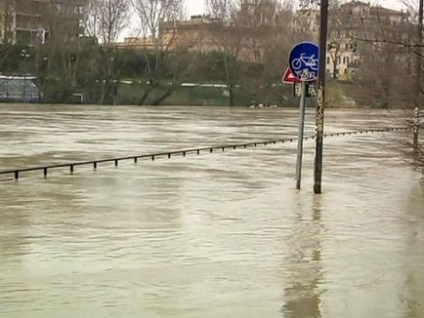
(216, 235)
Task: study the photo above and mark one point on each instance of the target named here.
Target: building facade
(348, 23)
(246, 33)
(243, 35)
(32, 22)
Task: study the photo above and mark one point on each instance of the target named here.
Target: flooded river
(215, 235)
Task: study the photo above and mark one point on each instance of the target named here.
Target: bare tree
(7, 8)
(336, 36)
(252, 36)
(220, 9)
(226, 38)
(108, 18)
(91, 19)
(386, 68)
(152, 13)
(158, 20)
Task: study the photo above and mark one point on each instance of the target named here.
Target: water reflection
(302, 294)
(412, 296)
(14, 241)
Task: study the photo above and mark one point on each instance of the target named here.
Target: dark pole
(419, 54)
(321, 96)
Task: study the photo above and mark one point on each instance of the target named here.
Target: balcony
(40, 8)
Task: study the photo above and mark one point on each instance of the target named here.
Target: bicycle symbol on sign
(308, 61)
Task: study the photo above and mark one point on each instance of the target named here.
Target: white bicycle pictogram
(308, 61)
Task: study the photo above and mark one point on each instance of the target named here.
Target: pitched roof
(386, 11)
(355, 3)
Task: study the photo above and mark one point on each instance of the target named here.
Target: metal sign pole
(303, 64)
(300, 136)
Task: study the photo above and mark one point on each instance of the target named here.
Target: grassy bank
(137, 93)
(339, 94)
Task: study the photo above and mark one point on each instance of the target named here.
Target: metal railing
(17, 173)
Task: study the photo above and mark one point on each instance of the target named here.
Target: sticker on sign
(310, 90)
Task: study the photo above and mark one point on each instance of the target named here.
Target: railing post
(416, 127)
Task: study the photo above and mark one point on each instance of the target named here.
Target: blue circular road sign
(303, 61)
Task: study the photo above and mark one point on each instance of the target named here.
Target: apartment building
(192, 34)
(350, 21)
(136, 43)
(195, 34)
(243, 32)
(32, 22)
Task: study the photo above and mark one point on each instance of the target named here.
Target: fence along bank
(15, 89)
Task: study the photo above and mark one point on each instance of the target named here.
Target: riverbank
(339, 94)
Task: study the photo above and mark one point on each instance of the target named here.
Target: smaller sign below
(289, 77)
(310, 90)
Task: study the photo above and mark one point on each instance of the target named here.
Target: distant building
(31, 22)
(137, 43)
(364, 14)
(195, 34)
(243, 32)
(354, 19)
(191, 34)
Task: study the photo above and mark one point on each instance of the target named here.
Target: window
(23, 37)
(346, 60)
(328, 60)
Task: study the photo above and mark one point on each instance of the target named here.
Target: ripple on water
(216, 235)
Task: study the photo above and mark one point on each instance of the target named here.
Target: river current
(215, 235)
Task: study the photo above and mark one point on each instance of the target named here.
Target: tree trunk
(164, 96)
(335, 61)
(231, 93)
(229, 80)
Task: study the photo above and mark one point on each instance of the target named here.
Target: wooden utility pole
(321, 97)
(419, 56)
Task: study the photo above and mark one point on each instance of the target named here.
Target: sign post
(303, 64)
(300, 135)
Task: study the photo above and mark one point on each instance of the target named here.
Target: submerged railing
(17, 173)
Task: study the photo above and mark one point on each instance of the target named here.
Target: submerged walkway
(16, 174)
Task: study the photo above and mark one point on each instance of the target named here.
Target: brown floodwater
(215, 235)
